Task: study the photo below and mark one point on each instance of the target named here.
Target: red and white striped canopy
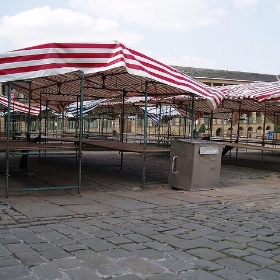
(261, 91)
(111, 70)
(19, 106)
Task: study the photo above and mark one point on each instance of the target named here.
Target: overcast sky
(242, 35)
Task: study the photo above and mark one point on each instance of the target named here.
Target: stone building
(251, 124)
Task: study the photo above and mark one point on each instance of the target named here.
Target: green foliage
(277, 129)
(202, 128)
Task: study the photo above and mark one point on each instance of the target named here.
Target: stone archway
(219, 131)
(230, 132)
(250, 132)
(241, 131)
(259, 132)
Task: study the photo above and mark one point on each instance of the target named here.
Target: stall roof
(52, 72)
(20, 107)
(260, 91)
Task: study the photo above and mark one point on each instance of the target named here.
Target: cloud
(245, 3)
(44, 24)
(277, 4)
(190, 61)
(161, 14)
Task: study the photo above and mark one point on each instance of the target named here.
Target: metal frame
(25, 152)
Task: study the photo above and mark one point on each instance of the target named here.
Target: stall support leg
(145, 139)
(81, 134)
(8, 140)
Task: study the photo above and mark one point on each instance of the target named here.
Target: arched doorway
(259, 132)
(230, 132)
(241, 131)
(250, 132)
(219, 132)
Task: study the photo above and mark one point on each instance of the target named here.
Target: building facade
(250, 124)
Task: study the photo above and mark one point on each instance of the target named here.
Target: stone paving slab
(115, 230)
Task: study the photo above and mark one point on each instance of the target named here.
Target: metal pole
(40, 118)
(8, 139)
(46, 119)
(77, 115)
(28, 116)
(81, 133)
(122, 125)
(238, 127)
(263, 142)
(211, 126)
(231, 126)
(192, 118)
(145, 138)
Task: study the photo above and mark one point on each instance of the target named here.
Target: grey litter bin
(195, 164)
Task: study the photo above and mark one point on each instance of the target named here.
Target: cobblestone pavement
(115, 230)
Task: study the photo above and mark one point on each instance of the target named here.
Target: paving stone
(32, 277)
(275, 267)
(176, 265)
(259, 260)
(206, 253)
(9, 240)
(236, 252)
(199, 275)
(18, 247)
(4, 251)
(238, 265)
(67, 230)
(47, 272)
(266, 274)
(225, 244)
(30, 258)
(52, 236)
(120, 231)
(103, 233)
(158, 246)
(271, 239)
(68, 263)
(262, 245)
(138, 238)
(128, 277)
(73, 247)
(163, 276)
(55, 253)
(206, 265)
(132, 246)
(12, 272)
(39, 229)
(117, 240)
(181, 255)
(83, 274)
(62, 241)
(43, 246)
(139, 265)
(97, 260)
(117, 253)
(83, 253)
(110, 270)
(97, 244)
(150, 254)
(8, 261)
(230, 274)
(26, 235)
